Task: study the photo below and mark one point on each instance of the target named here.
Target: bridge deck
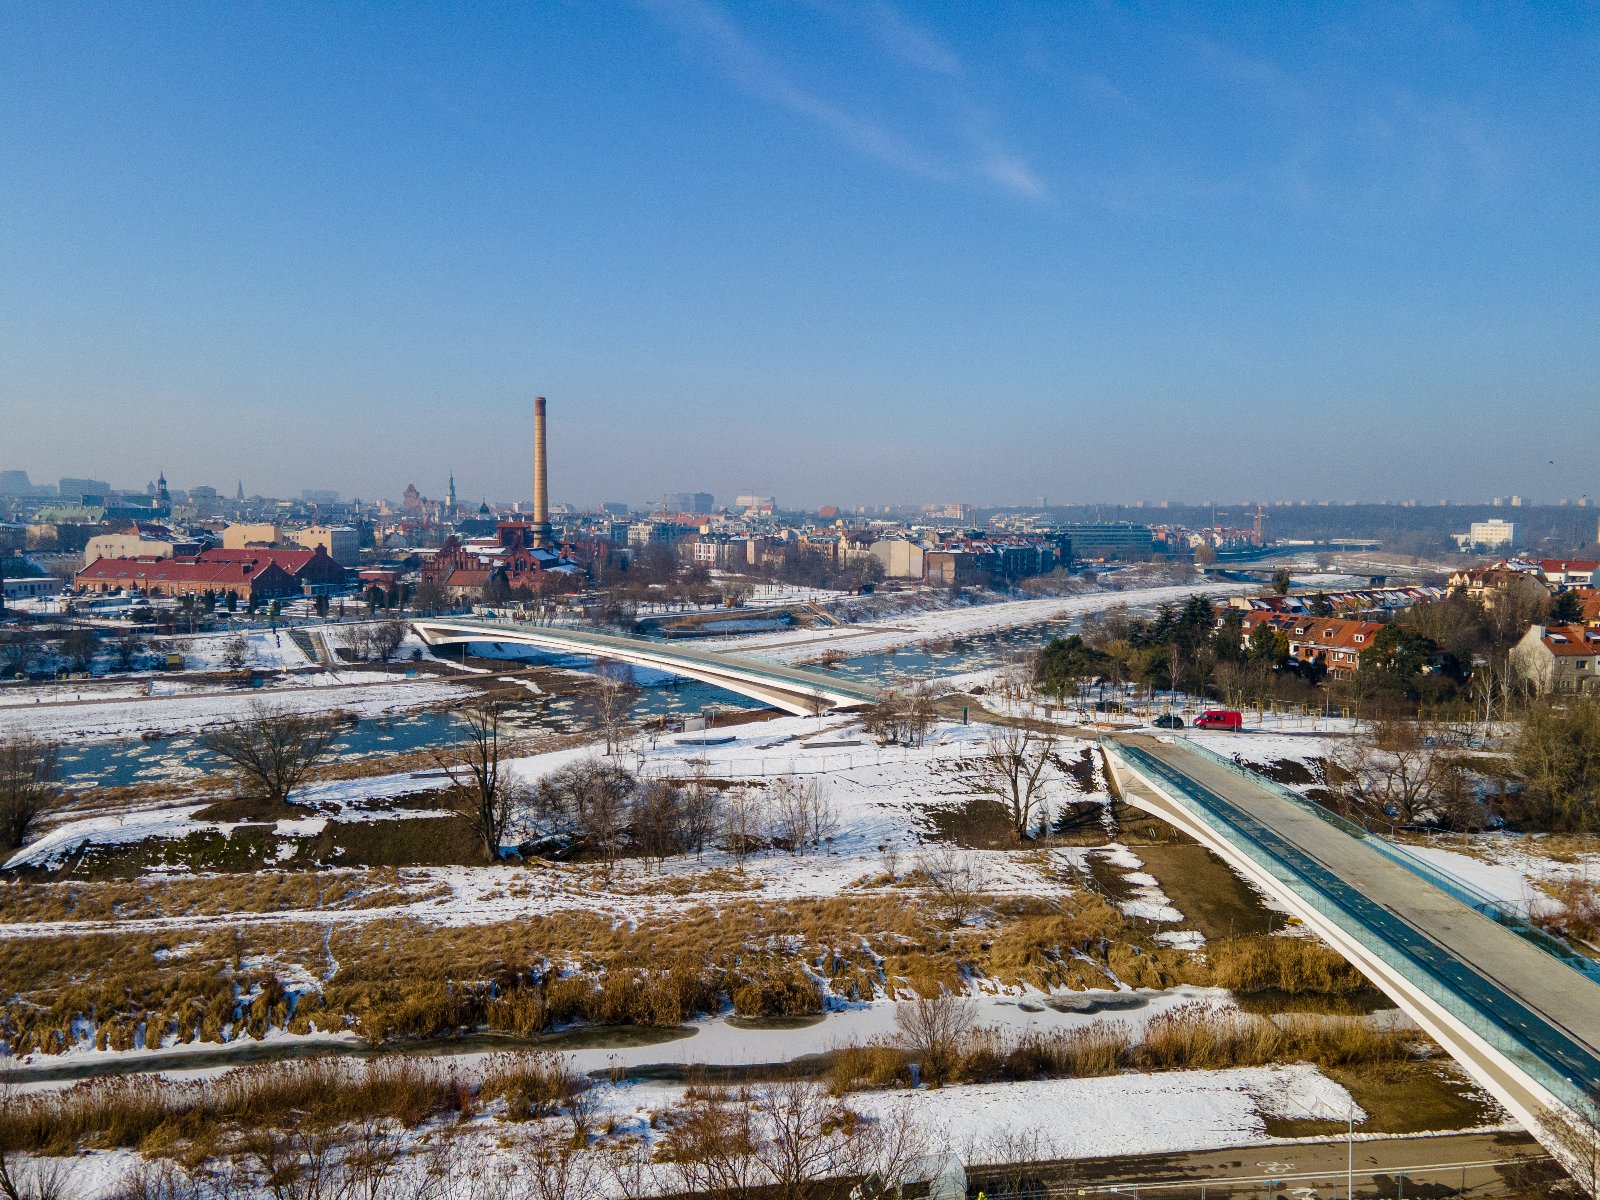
(594, 644)
(1543, 1006)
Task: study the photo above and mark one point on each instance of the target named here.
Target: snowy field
(1066, 1118)
(892, 631)
(879, 794)
(63, 714)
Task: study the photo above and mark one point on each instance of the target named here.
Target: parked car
(1168, 721)
(1220, 718)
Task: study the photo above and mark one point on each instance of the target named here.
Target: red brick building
(312, 570)
(464, 568)
(247, 580)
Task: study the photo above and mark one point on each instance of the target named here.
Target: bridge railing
(593, 644)
(1400, 948)
(1493, 907)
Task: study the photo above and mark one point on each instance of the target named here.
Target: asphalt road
(1428, 1168)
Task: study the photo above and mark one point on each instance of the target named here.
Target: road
(1430, 1166)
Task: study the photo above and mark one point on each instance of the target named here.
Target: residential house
(1560, 659)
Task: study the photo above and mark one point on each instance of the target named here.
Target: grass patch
(1399, 1098)
(1213, 899)
(980, 824)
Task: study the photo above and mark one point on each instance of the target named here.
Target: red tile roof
(144, 572)
(1571, 641)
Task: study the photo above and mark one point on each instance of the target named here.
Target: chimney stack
(541, 478)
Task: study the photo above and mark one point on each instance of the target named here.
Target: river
(130, 761)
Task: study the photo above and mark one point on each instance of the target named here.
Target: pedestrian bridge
(793, 689)
(1518, 1009)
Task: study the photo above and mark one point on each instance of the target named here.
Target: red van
(1219, 718)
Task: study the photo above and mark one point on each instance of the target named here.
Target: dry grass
(1192, 1037)
(717, 879)
(533, 1084)
(400, 978)
(259, 892)
(1289, 965)
(154, 1115)
(1579, 914)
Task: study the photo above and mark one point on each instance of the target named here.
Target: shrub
(532, 1083)
(781, 990)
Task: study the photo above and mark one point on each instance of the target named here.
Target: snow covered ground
(1061, 1118)
(365, 694)
(910, 628)
(879, 794)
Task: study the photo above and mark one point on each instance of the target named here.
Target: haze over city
(989, 253)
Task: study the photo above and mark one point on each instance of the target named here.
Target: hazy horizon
(836, 254)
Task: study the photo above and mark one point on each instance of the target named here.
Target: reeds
(1191, 1037)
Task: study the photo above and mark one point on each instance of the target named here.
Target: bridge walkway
(1547, 1014)
(768, 679)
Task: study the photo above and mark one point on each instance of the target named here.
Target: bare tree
(803, 1139)
(904, 715)
(272, 750)
(585, 804)
(384, 639)
(956, 878)
(934, 1028)
(702, 812)
(803, 814)
(711, 1145)
(79, 648)
(744, 824)
(557, 1168)
(921, 713)
(615, 693)
(27, 785)
(126, 650)
(482, 792)
(1394, 772)
(1012, 769)
(884, 1149)
(658, 820)
(1575, 1135)
(236, 652)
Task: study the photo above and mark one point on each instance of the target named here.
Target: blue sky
(839, 252)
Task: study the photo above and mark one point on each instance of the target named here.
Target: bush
(533, 1084)
(1289, 965)
(778, 990)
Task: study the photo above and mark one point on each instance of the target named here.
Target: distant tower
(541, 479)
(239, 495)
(450, 495)
(163, 497)
(1259, 540)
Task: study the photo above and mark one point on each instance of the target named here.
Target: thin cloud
(976, 154)
(749, 67)
(1011, 172)
(910, 42)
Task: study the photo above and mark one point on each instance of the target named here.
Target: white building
(1493, 534)
(901, 559)
(36, 587)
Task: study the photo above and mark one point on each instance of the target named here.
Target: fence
(705, 761)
